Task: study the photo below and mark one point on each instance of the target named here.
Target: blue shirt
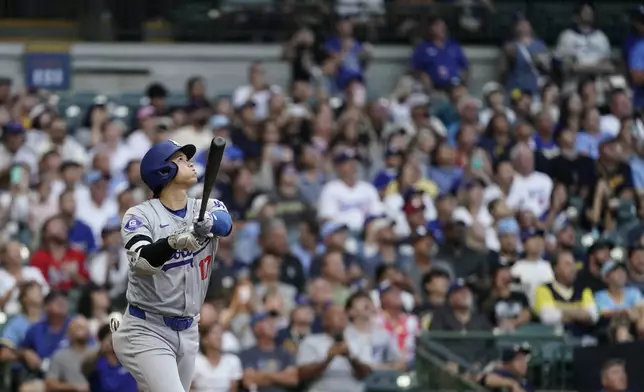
(267, 361)
(445, 177)
(636, 63)
(637, 168)
(588, 144)
(15, 331)
(111, 378)
(525, 384)
(45, 342)
(82, 238)
(442, 64)
(350, 68)
(523, 74)
(605, 302)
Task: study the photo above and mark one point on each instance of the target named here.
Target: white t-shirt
(586, 49)
(70, 150)
(244, 94)
(139, 144)
(209, 378)
(116, 277)
(119, 158)
(99, 215)
(190, 135)
(8, 282)
(486, 115)
(538, 189)
(532, 274)
(610, 125)
(349, 205)
(515, 197)
(483, 217)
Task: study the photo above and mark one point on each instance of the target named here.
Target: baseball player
(170, 256)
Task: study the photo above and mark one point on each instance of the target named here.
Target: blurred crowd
(359, 222)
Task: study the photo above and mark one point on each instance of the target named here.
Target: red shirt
(52, 269)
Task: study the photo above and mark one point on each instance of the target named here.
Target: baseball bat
(215, 154)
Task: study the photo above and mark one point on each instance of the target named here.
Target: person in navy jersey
(45, 337)
(439, 60)
(103, 370)
(351, 55)
(636, 34)
(80, 234)
(510, 375)
(635, 64)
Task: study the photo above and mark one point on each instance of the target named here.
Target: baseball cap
(456, 285)
(601, 244)
(13, 128)
(418, 234)
(526, 235)
(607, 139)
(510, 353)
(491, 87)
(383, 179)
(610, 266)
(258, 317)
(474, 182)
(413, 201)
(344, 156)
(508, 226)
(331, 227)
(378, 221)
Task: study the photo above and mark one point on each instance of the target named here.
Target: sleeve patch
(218, 205)
(133, 223)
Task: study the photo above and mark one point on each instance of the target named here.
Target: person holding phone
(328, 361)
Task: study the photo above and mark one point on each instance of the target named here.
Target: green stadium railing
(550, 366)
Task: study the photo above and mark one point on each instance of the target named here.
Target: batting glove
(184, 240)
(203, 228)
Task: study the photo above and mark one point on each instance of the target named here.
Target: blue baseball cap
(526, 235)
(605, 139)
(344, 156)
(113, 224)
(258, 317)
(13, 128)
(456, 285)
(610, 266)
(508, 226)
(331, 227)
(382, 180)
(508, 354)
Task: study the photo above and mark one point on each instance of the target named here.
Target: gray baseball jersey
(179, 289)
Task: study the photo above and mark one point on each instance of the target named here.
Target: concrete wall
(118, 68)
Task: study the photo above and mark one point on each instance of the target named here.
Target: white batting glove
(185, 240)
(203, 228)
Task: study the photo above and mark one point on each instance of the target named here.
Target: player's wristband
(158, 252)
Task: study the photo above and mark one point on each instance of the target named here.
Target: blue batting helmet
(156, 170)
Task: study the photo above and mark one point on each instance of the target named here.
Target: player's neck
(173, 198)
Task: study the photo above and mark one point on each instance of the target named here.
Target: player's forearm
(157, 253)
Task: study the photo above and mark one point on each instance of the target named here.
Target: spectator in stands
(140, 141)
(532, 270)
(210, 317)
(45, 337)
(13, 149)
(64, 371)
(237, 315)
(617, 300)
(268, 274)
(197, 130)
(635, 267)
(157, 94)
(494, 98)
(435, 284)
(511, 373)
(273, 240)
(14, 332)
(109, 267)
(300, 52)
(614, 377)
(300, 323)
(215, 371)
(80, 234)
(360, 310)
(102, 369)
(506, 309)
(564, 303)
(94, 304)
(459, 314)
(348, 200)
(525, 59)
(13, 274)
(439, 61)
(537, 186)
(100, 206)
(620, 109)
(224, 274)
(424, 248)
(351, 56)
(308, 246)
(467, 263)
(506, 240)
(334, 272)
(267, 367)
(583, 50)
(257, 92)
(63, 267)
(590, 274)
(329, 360)
(402, 327)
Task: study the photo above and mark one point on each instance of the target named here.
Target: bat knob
(219, 141)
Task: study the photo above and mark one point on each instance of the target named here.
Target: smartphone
(15, 175)
(339, 338)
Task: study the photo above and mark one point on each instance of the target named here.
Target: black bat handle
(215, 155)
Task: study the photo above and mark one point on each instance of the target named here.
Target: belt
(174, 323)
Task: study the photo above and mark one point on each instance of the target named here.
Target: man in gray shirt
(65, 369)
(385, 354)
(330, 361)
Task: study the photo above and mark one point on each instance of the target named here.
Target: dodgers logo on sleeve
(219, 205)
(133, 223)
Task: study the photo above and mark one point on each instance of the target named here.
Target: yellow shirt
(425, 185)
